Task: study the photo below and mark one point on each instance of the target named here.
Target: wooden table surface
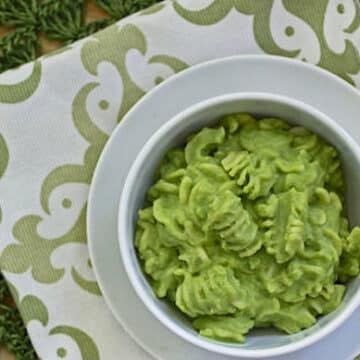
(5, 355)
(92, 13)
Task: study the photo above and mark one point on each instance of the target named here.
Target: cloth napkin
(58, 112)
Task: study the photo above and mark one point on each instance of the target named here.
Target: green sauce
(245, 227)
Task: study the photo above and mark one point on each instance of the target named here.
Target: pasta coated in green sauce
(245, 227)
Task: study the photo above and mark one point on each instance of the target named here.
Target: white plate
(295, 79)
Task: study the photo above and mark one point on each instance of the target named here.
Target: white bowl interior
(173, 134)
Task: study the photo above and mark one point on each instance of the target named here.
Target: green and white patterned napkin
(57, 114)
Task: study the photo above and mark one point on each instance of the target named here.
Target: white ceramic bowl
(259, 343)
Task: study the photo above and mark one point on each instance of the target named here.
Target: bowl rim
(126, 244)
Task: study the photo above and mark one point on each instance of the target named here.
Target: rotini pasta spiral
(226, 328)
(254, 175)
(215, 291)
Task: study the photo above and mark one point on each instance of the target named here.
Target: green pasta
(245, 227)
